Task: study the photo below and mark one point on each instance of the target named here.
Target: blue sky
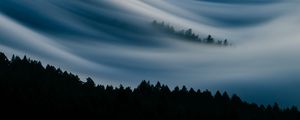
(112, 42)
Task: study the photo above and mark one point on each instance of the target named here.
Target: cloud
(242, 1)
(112, 42)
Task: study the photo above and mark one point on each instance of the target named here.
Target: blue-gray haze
(113, 42)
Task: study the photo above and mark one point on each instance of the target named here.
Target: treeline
(189, 34)
(26, 87)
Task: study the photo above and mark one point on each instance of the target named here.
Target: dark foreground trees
(26, 87)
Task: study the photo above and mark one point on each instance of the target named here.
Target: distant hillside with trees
(189, 34)
(27, 87)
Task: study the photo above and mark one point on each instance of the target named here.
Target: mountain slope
(26, 87)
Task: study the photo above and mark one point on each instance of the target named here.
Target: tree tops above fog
(188, 34)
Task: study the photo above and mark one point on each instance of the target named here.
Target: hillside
(26, 87)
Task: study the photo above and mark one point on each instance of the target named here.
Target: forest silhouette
(188, 34)
(27, 87)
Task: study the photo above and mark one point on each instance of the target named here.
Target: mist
(113, 42)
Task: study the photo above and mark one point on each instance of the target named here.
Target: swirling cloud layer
(113, 42)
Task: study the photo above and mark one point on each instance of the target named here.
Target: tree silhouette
(225, 42)
(89, 83)
(187, 34)
(209, 39)
(26, 87)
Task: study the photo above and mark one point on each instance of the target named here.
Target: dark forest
(28, 87)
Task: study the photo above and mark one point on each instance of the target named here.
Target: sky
(113, 42)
